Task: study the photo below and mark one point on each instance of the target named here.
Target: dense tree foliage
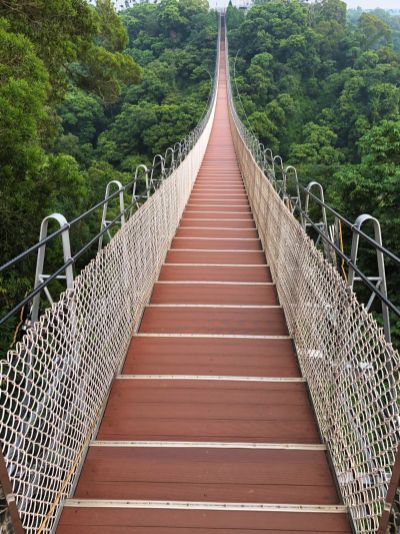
(322, 89)
(174, 43)
(393, 21)
(85, 95)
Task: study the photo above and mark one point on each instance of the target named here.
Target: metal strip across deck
(202, 282)
(182, 505)
(212, 378)
(210, 445)
(208, 336)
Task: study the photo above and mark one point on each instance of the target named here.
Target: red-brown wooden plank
(219, 356)
(223, 232)
(216, 215)
(212, 223)
(222, 208)
(223, 273)
(215, 203)
(213, 391)
(248, 257)
(202, 410)
(211, 179)
(209, 176)
(218, 191)
(144, 521)
(216, 244)
(209, 475)
(234, 200)
(198, 293)
(206, 320)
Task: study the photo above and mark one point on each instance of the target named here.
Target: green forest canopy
(321, 88)
(85, 95)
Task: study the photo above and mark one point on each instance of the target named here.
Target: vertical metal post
(178, 149)
(10, 498)
(320, 190)
(323, 223)
(39, 276)
(172, 164)
(104, 221)
(390, 497)
(380, 280)
(295, 200)
(277, 182)
(146, 174)
(154, 182)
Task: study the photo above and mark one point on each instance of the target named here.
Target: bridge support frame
(380, 280)
(105, 222)
(68, 277)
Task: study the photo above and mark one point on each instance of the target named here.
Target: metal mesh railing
(351, 371)
(54, 385)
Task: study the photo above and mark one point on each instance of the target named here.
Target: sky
(366, 4)
(371, 4)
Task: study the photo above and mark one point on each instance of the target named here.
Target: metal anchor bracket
(154, 179)
(105, 222)
(293, 201)
(40, 276)
(278, 183)
(322, 225)
(135, 198)
(380, 280)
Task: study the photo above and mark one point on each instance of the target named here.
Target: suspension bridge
(209, 370)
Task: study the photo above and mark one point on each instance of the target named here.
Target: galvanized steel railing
(54, 385)
(351, 370)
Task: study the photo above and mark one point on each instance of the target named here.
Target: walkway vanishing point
(209, 428)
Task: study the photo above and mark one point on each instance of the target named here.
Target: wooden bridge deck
(209, 428)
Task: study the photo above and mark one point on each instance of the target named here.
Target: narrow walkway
(209, 428)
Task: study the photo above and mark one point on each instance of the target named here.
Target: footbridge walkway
(208, 371)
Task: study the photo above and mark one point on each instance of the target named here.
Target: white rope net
(351, 371)
(54, 385)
